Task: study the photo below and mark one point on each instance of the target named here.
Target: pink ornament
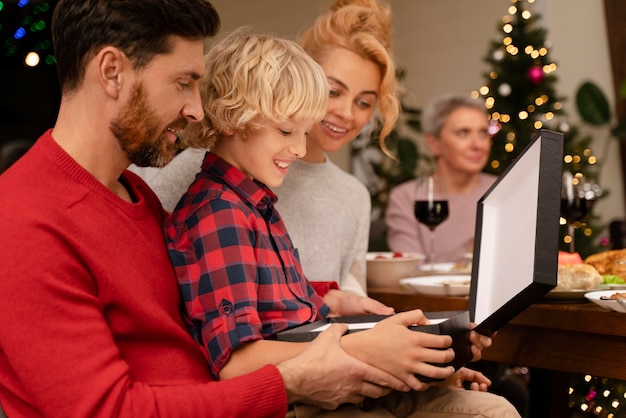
(535, 74)
(494, 127)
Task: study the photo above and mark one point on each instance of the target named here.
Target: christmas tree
(520, 96)
(519, 92)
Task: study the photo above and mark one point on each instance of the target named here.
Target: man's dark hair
(139, 28)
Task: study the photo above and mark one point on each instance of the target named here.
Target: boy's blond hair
(252, 79)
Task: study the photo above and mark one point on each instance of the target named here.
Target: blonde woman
(326, 209)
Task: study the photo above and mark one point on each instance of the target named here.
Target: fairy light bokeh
(30, 92)
(25, 32)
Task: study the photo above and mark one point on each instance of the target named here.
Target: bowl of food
(385, 269)
(609, 299)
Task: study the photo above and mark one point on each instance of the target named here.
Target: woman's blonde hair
(364, 27)
(252, 79)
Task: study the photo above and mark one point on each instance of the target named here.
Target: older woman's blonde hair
(252, 79)
(364, 27)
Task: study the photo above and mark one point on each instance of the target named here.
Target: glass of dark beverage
(431, 207)
(577, 197)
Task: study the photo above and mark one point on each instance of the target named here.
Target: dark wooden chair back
(617, 233)
(11, 151)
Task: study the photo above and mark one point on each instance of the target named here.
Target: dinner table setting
(551, 311)
(577, 327)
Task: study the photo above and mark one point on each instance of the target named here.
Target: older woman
(456, 131)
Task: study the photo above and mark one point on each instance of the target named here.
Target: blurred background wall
(440, 44)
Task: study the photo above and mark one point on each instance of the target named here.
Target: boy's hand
(478, 381)
(392, 347)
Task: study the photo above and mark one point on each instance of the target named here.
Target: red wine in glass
(431, 213)
(577, 197)
(574, 209)
(431, 207)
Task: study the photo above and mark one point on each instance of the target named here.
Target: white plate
(393, 256)
(615, 305)
(439, 285)
(579, 294)
(437, 267)
(444, 269)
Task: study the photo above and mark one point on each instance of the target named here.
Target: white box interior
(507, 246)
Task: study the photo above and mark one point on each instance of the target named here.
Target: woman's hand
(348, 304)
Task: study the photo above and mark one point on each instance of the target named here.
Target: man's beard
(138, 130)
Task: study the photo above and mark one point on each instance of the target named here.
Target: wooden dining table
(559, 336)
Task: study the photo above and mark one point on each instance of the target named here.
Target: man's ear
(111, 64)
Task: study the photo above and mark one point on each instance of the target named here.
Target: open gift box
(515, 251)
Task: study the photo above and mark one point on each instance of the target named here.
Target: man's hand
(392, 347)
(478, 381)
(348, 304)
(326, 376)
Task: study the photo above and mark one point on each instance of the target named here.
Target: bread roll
(578, 277)
(609, 262)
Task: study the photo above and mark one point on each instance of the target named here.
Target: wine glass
(577, 197)
(431, 207)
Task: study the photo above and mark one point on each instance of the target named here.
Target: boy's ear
(111, 64)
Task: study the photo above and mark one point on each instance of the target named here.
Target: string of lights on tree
(519, 93)
(521, 98)
(25, 32)
(598, 397)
